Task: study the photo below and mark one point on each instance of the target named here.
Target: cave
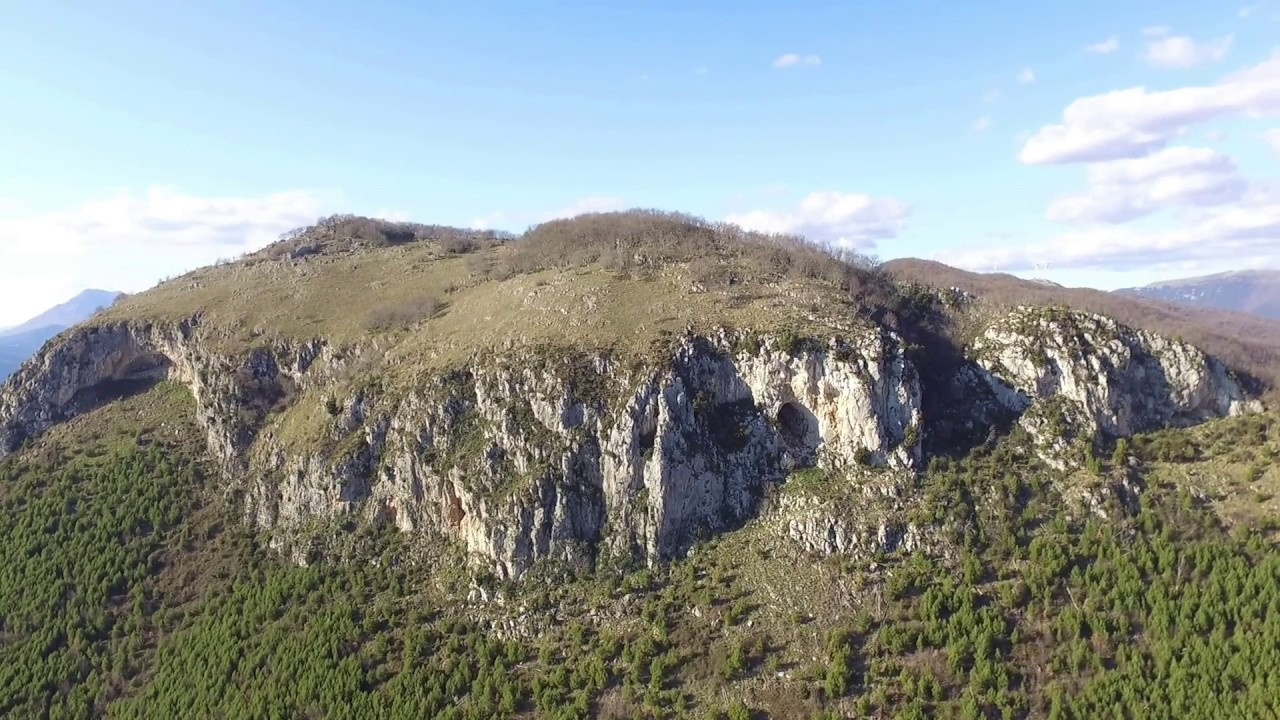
(136, 375)
(647, 440)
(798, 429)
(792, 423)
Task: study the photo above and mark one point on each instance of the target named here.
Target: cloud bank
(848, 220)
(1135, 122)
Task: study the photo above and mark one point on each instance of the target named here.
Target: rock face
(860, 514)
(520, 457)
(534, 454)
(95, 364)
(524, 459)
(1077, 375)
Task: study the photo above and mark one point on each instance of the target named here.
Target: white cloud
(1156, 30)
(851, 220)
(1105, 47)
(1272, 138)
(793, 60)
(519, 220)
(982, 123)
(1136, 121)
(1247, 232)
(1184, 52)
(162, 218)
(129, 240)
(1248, 10)
(1177, 177)
(1026, 76)
(991, 96)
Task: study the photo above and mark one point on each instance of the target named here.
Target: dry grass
(575, 293)
(1231, 463)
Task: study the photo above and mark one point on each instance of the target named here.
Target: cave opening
(139, 374)
(792, 424)
(798, 430)
(647, 440)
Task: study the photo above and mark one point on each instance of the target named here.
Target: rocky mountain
(1248, 291)
(631, 465)
(22, 341)
(536, 412)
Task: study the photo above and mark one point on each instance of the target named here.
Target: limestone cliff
(519, 455)
(529, 453)
(1080, 376)
(524, 457)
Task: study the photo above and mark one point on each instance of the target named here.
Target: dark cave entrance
(798, 429)
(139, 374)
(647, 440)
(792, 424)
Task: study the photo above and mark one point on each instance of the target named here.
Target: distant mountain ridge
(22, 341)
(66, 314)
(1251, 291)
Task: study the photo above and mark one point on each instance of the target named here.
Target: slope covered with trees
(129, 588)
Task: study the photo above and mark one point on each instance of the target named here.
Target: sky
(1090, 143)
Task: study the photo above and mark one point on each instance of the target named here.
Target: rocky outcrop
(856, 513)
(94, 364)
(1076, 376)
(524, 458)
(543, 454)
(519, 456)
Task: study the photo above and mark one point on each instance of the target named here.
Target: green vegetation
(128, 588)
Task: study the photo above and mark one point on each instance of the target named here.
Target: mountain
(1250, 291)
(66, 314)
(21, 342)
(19, 346)
(634, 465)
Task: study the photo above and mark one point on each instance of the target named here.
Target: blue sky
(142, 139)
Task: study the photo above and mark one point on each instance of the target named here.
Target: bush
(403, 314)
(738, 711)
(717, 253)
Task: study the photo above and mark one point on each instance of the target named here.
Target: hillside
(22, 341)
(1246, 342)
(1248, 291)
(628, 465)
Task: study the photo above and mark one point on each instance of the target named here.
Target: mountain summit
(621, 383)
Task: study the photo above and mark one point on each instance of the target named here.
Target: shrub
(738, 711)
(403, 314)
